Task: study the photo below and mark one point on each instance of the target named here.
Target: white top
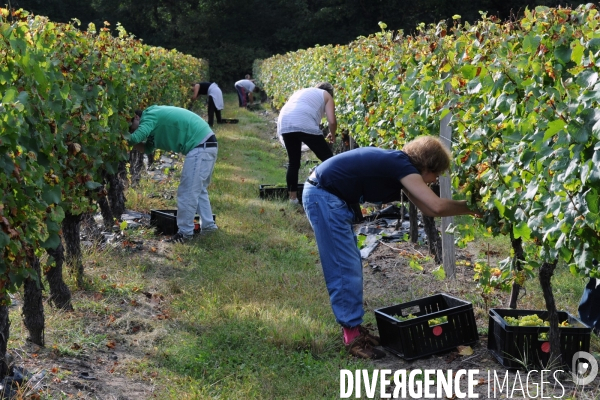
(214, 91)
(303, 112)
(246, 84)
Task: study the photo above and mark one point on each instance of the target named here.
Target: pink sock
(350, 334)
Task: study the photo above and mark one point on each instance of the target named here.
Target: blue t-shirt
(365, 174)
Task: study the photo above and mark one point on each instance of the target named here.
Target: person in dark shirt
(215, 99)
(373, 175)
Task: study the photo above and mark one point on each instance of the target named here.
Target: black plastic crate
(521, 347)
(275, 192)
(165, 221)
(415, 338)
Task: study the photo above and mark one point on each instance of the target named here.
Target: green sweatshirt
(170, 128)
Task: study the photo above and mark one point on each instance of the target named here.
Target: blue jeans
(192, 193)
(331, 220)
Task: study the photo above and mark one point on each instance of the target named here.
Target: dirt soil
(109, 371)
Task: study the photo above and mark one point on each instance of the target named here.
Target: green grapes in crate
(431, 322)
(402, 319)
(438, 321)
(526, 320)
(533, 320)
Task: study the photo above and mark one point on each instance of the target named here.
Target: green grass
(254, 315)
(248, 313)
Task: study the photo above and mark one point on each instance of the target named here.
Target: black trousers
(212, 110)
(293, 145)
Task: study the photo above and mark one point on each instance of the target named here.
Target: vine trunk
(60, 295)
(33, 306)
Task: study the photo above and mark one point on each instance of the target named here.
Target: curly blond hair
(428, 153)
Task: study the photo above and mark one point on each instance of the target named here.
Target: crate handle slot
(414, 309)
(497, 318)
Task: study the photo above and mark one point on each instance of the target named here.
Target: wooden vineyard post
(448, 256)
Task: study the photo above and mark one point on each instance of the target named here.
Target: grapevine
(522, 98)
(67, 95)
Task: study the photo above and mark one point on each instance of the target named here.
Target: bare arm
(330, 114)
(196, 90)
(429, 203)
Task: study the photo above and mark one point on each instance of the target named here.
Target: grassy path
(253, 302)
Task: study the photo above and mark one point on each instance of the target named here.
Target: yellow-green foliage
(67, 95)
(521, 97)
(377, 96)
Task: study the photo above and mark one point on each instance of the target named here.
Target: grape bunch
(526, 320)
(437, 321)
(532, 320)
(401, 318)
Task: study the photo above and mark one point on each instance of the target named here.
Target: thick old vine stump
(116, 190)
(136, 166)
(70, 228)
(414, 223)
(517, 265)
(546, 273)
(33, 306)
(434, 238)
(4, 332)
(106, 212)
(60, 295)
(112, 205)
